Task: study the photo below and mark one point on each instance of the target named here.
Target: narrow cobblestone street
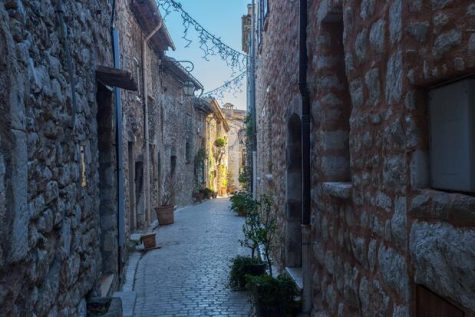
(187, 276)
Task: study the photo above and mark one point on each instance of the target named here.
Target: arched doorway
(293, 234)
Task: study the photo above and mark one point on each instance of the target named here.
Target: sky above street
(221, 18)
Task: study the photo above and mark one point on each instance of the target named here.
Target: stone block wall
(378, 230)
(131, 38)
(277, 99)
(199, 145)
(178, 131)
(50, 250)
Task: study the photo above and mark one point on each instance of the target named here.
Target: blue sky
(221, 18)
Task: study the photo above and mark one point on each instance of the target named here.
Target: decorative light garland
(234, 85)
(208, 43)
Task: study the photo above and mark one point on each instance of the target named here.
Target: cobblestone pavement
(187, 276)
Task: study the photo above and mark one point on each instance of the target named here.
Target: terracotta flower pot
(165, 215)
(149, 241)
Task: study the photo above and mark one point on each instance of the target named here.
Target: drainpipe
(306, 177)
(147, 141)
(253, 158)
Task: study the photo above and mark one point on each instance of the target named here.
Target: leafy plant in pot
(165, 212)
(241, 202)
(274, 297)
(243, 266)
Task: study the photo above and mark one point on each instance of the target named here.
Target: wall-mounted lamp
(189, 88)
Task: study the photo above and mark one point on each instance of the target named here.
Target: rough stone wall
(49, 254)
(277, 99)
(214, 130)
(178, 128)
(199, 148)
(376, 237)
(440, 225)
(131, 42)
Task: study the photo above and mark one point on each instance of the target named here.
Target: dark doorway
(131, 180)
(293, 236)
(139, 194)
(173, 165)
(429, 304)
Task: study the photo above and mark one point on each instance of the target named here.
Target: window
(452, 136)
(265, 9)
(263, 12)
(172, 165)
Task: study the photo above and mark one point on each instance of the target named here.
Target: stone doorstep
(106, 284)
(115, 308)
(128, 300)
(296, 274)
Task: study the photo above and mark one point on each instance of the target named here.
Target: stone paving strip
(188, 275)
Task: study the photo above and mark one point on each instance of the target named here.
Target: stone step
(106, 284)
(128, 302)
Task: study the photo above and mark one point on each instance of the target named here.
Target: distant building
(217, 142)
(236, 145)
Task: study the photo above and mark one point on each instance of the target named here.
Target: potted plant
(273, 297)
(241, 202)
(267, 228)
(165, 212)
(241, 266)
(148, 241)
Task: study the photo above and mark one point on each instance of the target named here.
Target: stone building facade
(201, 110)
(84, 101)
(178, 145)
(390, 229)
(158, 127)
(50, 153)
(236, 145)
(217, 129)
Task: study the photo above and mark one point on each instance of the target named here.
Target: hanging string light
(234, 86)
(208, 43)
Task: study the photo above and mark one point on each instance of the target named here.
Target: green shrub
(274, 296)
(242, 203)
(243, 266)
(220, 142)
(208, 193)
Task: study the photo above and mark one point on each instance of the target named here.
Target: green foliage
(244, 177)
(220, 142)
(208, 193)
(274, 295)
(242, 203)
(223, 177)
(267, 227)
(241, 267)
(260, 225)
(251, 230)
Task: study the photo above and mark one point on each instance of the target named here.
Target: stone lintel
(116, 78)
